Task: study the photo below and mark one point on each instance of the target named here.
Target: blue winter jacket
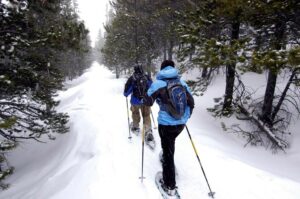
(157, 91)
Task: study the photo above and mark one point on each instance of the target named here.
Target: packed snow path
(97, 160)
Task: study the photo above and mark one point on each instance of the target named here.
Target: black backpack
(140, 84)
(177, 98)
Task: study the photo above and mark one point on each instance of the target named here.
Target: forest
(231, 37)
(42, 44)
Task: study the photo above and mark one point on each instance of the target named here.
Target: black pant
(168, 135)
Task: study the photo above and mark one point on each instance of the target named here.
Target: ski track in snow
(97, 160)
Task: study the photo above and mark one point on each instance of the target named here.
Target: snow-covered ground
(97, 160)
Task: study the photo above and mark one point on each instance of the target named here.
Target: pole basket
(212, 194)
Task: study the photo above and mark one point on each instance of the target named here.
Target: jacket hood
(167, 73)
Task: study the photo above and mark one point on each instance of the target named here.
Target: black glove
(143, 100)
(146, 100)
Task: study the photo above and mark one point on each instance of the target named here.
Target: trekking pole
(155, 127)
(211, 194)
(143, 143)
(129, 137)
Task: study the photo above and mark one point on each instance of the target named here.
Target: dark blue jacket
(130, 88)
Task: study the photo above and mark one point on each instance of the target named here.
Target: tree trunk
(192, 52)
(209, 73)
(148, 67)
(165, 50)
(204, 73)
(282, 97)
(117, 72)
(230, 71)
(266, 115)
(136, 32)
(263, 128)
(269, 97)
(230, 76)
(170, 49)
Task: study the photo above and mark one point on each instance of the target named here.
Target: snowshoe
(165, 191)
(135, 130)
(149, 139)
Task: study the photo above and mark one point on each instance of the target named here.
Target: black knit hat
(138, 68)
(166, 63)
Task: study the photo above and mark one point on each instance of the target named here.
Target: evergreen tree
(140, 31)
(36, 38)
(276, 24)
(213, 34)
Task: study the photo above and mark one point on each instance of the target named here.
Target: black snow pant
(168, 135)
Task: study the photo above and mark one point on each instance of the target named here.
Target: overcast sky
(93, 12)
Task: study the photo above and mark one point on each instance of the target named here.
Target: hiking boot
(149, 139)
(170, 191)
(149, 136)
(135, 130)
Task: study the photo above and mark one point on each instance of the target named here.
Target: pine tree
(139, 32)
(276, 22)
(36, 38)
(211, 31)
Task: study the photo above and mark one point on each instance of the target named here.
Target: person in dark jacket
(168, 127)
(137, 85)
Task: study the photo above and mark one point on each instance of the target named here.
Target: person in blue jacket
(168, 127)
(137, 85)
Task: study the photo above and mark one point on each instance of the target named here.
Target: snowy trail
(96, 159)
(117, 160)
